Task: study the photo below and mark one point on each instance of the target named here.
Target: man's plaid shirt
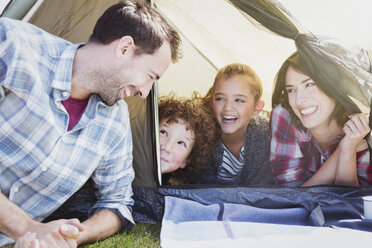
(41, 163)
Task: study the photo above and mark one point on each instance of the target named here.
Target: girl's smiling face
(233, 105)
(176, 143)
(311, 105)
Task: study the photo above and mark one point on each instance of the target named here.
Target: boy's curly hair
(198, 120)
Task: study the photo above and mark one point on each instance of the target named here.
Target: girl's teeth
(229, 118)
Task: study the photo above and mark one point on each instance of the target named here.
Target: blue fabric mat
(181, 210)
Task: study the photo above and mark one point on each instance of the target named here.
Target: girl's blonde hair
(246, 73)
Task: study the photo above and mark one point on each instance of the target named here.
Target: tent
(74, 20)
(326, 205)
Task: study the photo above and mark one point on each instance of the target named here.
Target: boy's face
(233, 104)
(175, 145)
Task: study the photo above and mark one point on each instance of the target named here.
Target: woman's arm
(355, 130)
(341, 167)
(286, 158)
(288, 161)
(326, 173)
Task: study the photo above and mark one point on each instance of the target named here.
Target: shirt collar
(302, 135)
(63, 71)
(331, 148)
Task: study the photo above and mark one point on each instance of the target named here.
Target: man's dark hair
(144, 24)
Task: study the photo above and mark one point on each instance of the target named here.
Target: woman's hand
(355, 130)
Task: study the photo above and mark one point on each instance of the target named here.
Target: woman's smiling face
(311, 105)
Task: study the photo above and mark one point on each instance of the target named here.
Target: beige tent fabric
(192, 72)
(214, 34)
(74, 20)
(140, 122)
(222, 35)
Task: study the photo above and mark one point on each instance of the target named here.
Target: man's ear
(123, 45)
(259, 106)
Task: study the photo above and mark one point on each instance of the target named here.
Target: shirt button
(15, 190)
(65, 94)
(43, 168)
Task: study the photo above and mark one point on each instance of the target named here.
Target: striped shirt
(295, 155)
(41, 163)
(230, 169)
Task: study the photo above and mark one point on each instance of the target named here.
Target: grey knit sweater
(256, 170)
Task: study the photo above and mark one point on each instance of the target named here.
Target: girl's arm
(355, 130)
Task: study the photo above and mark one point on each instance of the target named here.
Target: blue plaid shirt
(41, 163)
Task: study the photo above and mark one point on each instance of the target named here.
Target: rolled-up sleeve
(113, 179)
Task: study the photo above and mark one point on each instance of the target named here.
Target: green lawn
(141, 236)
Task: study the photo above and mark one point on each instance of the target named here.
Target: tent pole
(154, 116)
(17, 9)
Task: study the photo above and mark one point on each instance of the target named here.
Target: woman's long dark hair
(280, 95)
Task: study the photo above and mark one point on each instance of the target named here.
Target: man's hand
(71, 229)
(15, 223)
(59, 233)
(28, 241)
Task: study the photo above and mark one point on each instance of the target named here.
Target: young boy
(186, 136)
(242, 155)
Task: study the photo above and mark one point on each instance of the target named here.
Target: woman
(313, 139)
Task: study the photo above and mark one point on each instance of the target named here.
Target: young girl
(186, 136)
(242, 155)
(313, 139)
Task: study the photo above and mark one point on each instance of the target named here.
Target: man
(63, 120)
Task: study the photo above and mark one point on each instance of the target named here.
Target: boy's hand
(355, 130)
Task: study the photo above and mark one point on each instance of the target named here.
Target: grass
(141, 236)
